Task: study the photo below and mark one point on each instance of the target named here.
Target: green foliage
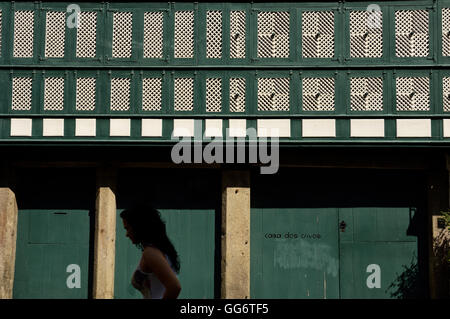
(446, 216)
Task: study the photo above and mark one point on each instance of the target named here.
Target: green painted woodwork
(104, 31)
(302, 267)
(47, 242)
(104, 66)
(103, 80)
(102, 113)
(192, 233)
(334, 265)
(379, 236)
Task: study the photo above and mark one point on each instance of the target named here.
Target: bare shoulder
(156, 263)
(153, 259)
(152, 250)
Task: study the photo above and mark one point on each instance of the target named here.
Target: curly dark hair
(149, 229)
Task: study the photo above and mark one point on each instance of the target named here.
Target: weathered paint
(302, 254)
(306, 266)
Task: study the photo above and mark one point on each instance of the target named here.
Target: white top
(148, 284)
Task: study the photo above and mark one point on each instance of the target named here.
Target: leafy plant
(446, 216)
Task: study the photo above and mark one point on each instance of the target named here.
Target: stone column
(235, 235)
(105, 234)
(438, 197)
(8, 233)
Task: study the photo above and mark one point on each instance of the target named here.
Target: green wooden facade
(101, 93)
(112, 50)
(301, 250)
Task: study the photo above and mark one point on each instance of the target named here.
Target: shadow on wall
(407, 284)
(411, 282)
(441, 262)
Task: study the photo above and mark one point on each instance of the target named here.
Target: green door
(52, 254)
(378, 253)
(334, 253)
(294, 253)
(192, 233)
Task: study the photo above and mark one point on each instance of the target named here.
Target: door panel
(192, 233)
(378, 255)
(377, 224)
(304, 265)
(373, 256)
(48, 242)
(361, 263)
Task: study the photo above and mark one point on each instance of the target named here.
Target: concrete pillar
(438, 238)
(8, 232)
(8, 235)
(105, 235)
(235, 235)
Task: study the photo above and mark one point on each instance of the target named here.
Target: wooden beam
(39, 164)
(70, 164)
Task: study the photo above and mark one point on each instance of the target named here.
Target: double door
(331, 253)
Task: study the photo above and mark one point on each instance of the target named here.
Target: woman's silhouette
(155, 276)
